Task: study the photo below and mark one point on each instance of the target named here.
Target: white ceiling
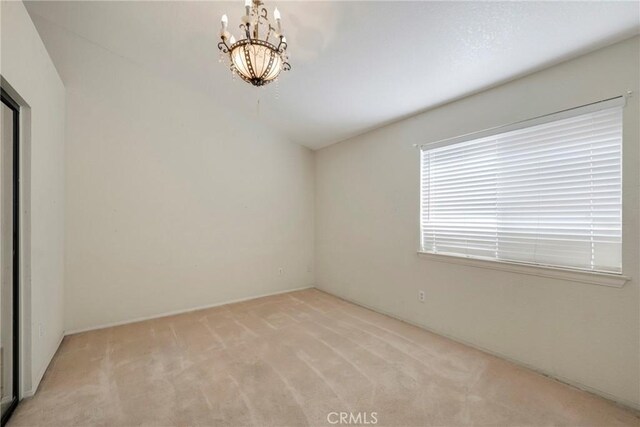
(356, 65)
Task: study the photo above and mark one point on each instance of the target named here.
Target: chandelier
(255, 58)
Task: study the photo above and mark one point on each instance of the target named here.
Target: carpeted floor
(295, 359)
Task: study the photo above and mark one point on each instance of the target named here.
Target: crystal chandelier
(255, 58)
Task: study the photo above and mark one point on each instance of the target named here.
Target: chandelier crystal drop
(255, 57)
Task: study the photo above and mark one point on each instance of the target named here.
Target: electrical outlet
(280, 271)
(421, 296)
(40, 330)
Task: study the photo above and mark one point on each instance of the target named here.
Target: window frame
(523, 267)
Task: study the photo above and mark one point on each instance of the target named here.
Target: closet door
(8, 257)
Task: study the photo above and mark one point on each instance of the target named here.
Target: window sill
(594, 278)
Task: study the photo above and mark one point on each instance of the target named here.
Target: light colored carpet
(293, 360)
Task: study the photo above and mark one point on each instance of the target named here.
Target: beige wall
(32, 79)
(173, 203)
(367, 195)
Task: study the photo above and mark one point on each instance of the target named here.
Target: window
(547, 191)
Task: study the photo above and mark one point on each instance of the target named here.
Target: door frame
(9, 102)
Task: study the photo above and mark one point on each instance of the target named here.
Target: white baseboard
(618, 401)
(35, 382)
(186, 310)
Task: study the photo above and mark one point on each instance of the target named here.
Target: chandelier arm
(262, 18)
(282, 46)
(271, 30)
(247, 31)
(223, 46)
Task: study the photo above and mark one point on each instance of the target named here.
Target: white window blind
(546, 191)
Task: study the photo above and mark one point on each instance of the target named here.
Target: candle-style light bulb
(224, 22)
(247, 7)
(276, 14)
